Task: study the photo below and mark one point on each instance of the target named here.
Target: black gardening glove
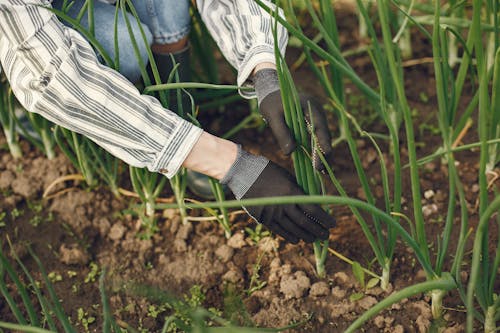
(256, 177)
(271, 107)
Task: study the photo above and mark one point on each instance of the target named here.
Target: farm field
(398, 124)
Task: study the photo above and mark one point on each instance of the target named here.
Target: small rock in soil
(429, 194)
(295, 285)
(319, 289)
(224, 253)
(338, 293)
(429, 209)
(6, 179)
(117, 231)
(237, 241)
(367, 302)
(72, 255)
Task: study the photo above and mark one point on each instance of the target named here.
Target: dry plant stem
(61, 180)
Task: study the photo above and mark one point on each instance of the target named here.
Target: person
(54, 72)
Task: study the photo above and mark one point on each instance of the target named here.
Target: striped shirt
(54, 72)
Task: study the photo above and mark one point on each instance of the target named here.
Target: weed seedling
(85, 319)
(94, 272)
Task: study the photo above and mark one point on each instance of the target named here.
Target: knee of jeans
(130, 66)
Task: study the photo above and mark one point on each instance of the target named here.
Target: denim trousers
(163, 22)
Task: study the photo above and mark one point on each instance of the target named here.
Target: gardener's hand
(256, 177)
(271, 107)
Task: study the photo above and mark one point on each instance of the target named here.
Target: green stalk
(107, 166)
(23, 328)
(106, 311)
(21, 288)
(399, 86)
(218, 191)
(9, 299)
(345, 69)
(477, 258)
(359, 218)
(47, 308)
(7, 118)
(444, 283)
(178, 184)
(494, 150)
(295, 119)
(392, 118)
(57, 308)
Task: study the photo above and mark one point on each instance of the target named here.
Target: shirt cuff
(177, 148)
(255, 56)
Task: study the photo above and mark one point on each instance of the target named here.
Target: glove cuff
(265, 82)
(244, 172)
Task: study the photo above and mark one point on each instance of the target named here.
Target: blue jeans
(163, 21)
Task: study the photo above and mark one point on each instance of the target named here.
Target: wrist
(264, 65)
(265, 82)
(244, 172)
(211, 156)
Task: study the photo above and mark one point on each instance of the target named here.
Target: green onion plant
(7, 117)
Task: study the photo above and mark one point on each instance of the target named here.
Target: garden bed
(251, 278)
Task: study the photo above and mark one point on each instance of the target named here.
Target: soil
(79, 232)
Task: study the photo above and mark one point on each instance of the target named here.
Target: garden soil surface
(77, 232)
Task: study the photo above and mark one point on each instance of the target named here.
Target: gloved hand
(271, 107)
(256, 177)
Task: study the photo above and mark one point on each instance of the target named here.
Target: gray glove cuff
(265, 82)
(244, 172)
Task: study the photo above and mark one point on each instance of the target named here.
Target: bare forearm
(211, 156)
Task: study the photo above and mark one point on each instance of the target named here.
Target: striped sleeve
(54, 72)
(244, 33)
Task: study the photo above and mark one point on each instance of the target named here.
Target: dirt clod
(367, 302)
(319, 289)
(6, 179)
(338, 293)
(224, 253)
(237, 241)
(117, 231)
(295, 285)
(73, 255)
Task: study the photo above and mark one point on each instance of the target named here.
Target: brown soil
(79, 228)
